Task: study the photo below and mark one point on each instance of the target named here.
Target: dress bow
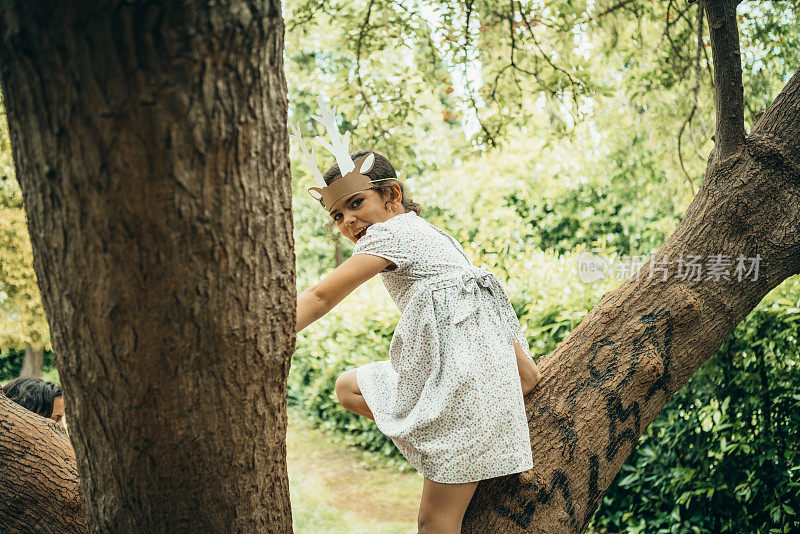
(469, 298)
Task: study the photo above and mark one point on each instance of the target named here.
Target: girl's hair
(33, 394)
(380, 169)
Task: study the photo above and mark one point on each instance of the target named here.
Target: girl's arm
(319, 299)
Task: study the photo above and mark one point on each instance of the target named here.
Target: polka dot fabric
(449, 396)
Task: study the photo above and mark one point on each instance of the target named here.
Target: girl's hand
(529, 373)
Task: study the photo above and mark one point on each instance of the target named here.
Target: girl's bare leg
(442, 507)
(350, 396)
(529, 374)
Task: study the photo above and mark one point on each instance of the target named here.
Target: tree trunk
(38, 475)
(612, 375)
(32, 362)
(151, 148)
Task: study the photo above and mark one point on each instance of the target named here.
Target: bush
(11, 364)
(723, 455)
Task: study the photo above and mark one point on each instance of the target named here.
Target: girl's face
(58, 410)
(355, 213)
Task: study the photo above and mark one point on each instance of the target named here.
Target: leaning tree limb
(610, 378)
(38, 474)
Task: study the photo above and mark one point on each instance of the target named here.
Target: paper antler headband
(352, 181)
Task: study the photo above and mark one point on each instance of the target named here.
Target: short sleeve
(380, 240)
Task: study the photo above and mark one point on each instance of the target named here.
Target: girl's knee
(442, 506)
(438, 524)
(341, 388)
(345, 385)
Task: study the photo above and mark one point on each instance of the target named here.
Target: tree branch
(615, 7)
(613, 374)
(293, 23)
(776, 133)
(684, 60)
(39, 488)
(696, 91)
(728, 90)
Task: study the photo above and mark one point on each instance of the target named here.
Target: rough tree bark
(151, 148)
(612, 375)
(728, 88)
(38, 475)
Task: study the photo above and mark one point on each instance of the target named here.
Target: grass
(335, 488)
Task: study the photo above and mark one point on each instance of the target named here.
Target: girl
(451, 394)
(38, 396)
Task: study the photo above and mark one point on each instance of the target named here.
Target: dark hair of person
(33, 394)
(380, 169)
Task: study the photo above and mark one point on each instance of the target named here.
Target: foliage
(323, 63)
(11, 364)
(333, 345)
(506, 60)
(620, 206)
(22, 318)
(602, 148)
(724, 453)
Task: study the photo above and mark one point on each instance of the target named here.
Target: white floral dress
(449, 396)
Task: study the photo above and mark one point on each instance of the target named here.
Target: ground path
(334, 488)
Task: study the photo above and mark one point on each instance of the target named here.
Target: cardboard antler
(310, 160)
(340, 146)
(352, 181)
